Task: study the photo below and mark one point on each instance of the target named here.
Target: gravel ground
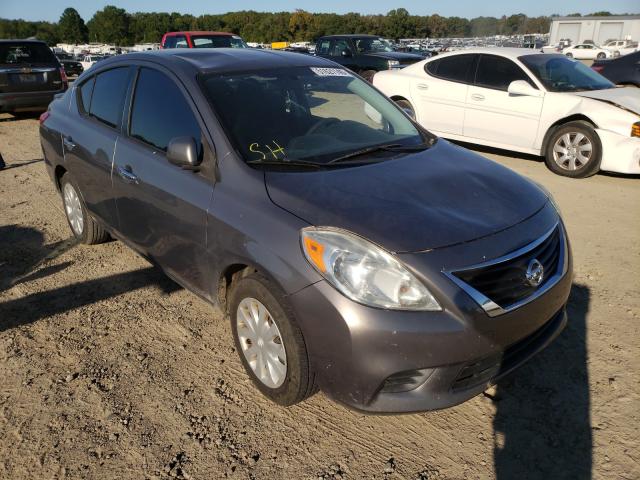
(110, 370)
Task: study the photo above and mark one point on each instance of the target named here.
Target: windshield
(218, 41)
(25, 54)
(559, 73)
(305, 113)
(367, 45)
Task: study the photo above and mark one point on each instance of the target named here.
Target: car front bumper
(26, 101)
(620, 153)
(457, 352)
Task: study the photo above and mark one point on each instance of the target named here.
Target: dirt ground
(110, 370)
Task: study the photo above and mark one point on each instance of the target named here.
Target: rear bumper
(26, 101)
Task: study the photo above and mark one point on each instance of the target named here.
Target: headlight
(394, 63)
(363, 271)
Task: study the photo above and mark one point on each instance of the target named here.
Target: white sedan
(587, 51)
(524, 101)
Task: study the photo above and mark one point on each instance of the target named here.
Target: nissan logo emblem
(535, 273)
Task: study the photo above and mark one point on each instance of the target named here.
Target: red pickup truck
(196, 39)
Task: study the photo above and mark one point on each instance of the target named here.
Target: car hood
(439, 197)
(400, 56)
(626, 98)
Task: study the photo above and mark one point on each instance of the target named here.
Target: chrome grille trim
(489, 306)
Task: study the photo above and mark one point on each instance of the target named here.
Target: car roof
(200, 32)
(509, 52)
(21, 40)
(208, 60)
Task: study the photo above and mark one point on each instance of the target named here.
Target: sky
(52, 9)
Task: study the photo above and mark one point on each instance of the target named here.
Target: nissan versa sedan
(353, 251)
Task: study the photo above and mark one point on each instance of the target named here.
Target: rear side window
(86, 89)
(456, 68)
(498, 72)
(181, 42)
(108, 95)
(160, 111)
(26, 52)
(169, 42)
(323, 47)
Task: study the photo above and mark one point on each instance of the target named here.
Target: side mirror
(183, 152)
(522, 88)
(346, 53)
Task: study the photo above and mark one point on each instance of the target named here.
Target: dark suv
(363, 54)
(30, 75)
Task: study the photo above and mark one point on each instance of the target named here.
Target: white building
(596, 29)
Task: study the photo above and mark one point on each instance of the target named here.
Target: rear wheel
(570, 55)
(84, 228)
(601, 56)
(407, 107)
(574, 150)
(269, 341)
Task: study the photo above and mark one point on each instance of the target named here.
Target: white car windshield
(561, 74)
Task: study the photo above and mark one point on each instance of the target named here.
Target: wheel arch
(58, 174)
(563, 121)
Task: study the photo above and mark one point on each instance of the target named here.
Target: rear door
(89, 140)
(162, 208)
(441, 92)
(495, 116)
(28, 67)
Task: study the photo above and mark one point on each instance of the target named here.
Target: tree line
(116, 26)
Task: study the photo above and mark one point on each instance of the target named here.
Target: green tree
(110, 25)
(71, 27)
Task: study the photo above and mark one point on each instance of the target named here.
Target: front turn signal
(635, 129)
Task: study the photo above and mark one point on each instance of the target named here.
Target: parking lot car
(534, 103)
(353, 250)
(70, 65)
(202, 39)
(363, 54)
(586, 51)
(623, 70)
(30, 76)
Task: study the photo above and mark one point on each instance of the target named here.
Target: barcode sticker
(330, 72)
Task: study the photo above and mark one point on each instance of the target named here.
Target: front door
(162, 208)
(495, 116)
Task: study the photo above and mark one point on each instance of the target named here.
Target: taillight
(635, 129)
(63, 76)
(43, 117)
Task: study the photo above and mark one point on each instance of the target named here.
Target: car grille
(503, 283)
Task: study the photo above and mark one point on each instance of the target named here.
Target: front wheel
(601, 56)
(574, 150)
(570, 55)
(269, 341)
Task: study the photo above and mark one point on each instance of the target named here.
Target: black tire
(299, 381)
(407, 107)
(92, 233)
(572, 129)
(368, 75)
(601, 56)
(570, 55)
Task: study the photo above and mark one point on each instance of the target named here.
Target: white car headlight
(363, 271)
(394, 63)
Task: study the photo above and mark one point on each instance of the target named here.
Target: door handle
(127, 175)
(477, 96)
(423, 86)
(68, 143)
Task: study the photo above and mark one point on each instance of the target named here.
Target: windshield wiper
(391, 147)
(287, 163)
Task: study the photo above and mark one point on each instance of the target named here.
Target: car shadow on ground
(542, 426)
(23, 257)
(498, 151)
(8, 166)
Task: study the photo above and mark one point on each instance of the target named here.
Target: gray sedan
(353, 251)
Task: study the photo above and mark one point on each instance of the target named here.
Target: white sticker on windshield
(330, 72)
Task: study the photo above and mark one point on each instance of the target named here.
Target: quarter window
(86, 89)
(498, 72)
(170, 42)
(160, 112)
(324, 47)
(108, 95)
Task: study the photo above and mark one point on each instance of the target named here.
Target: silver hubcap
(73, 209)
(572, 151)
(261, 342)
